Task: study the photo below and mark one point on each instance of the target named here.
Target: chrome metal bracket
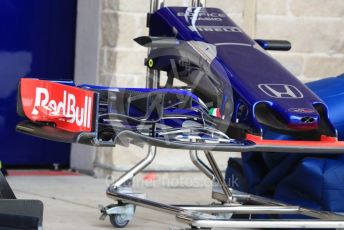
(136, 169)
(219, 179)
(198, 3)
(200, 164)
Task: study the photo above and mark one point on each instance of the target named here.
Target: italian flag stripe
(215, 112)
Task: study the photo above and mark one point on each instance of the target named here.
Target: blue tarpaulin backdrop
(36, 40)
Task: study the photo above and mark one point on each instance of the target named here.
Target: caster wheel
(118, 220)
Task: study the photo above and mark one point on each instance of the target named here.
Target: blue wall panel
(37, 39)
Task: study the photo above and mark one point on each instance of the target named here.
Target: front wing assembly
(75, 114)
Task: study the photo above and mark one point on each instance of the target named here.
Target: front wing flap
(129, 137)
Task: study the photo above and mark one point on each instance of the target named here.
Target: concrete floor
(71, 202)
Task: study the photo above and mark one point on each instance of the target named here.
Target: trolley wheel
(118, 220)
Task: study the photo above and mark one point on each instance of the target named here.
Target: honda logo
(281, 91)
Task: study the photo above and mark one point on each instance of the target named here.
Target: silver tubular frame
(136, 169)
(238, 209)
(212, 216)
(267, 224)
(219, 177)
(200, 164)
(198, 3)
(231, 201)
(156, 5)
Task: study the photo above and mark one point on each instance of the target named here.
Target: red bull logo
(69, 107)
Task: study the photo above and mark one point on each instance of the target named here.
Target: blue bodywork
(270, 95)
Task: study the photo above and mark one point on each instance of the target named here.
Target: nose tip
(308, 120)
(304, 122)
